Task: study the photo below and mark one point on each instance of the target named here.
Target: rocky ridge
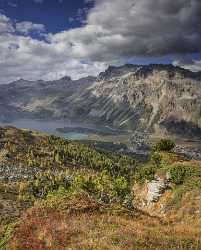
(161, 99)
(147, 98)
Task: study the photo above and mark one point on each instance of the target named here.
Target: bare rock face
(156, 189)
(151, 196)
(155, 98)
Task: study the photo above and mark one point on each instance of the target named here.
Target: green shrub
(179, 174)
(6, 234)
(145, 173)
(156, 158)
(121, 186)
(164, 145)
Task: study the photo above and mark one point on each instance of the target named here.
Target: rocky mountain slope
(155, 98)
(39, 99)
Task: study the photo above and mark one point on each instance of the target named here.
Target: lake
(49, 127)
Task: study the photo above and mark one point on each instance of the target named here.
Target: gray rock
(155, 189)
(190, 153)
(18, 173)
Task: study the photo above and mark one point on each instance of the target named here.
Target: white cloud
(114, 31)
(28, 58)
(27, 27)
(193, 65)
(120, 30)
(5, 25)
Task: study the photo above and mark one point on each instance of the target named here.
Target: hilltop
(57, 194)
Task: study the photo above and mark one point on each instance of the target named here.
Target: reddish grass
(49, 229)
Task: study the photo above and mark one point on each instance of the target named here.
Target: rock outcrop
(156, 188)
(151, 196)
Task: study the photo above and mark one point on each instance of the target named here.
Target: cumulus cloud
(5, 25)
(187, 63)
(27, 27)
(24, 57)
(112, 32)
(124, 29)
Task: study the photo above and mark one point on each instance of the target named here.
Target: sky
(49, 39)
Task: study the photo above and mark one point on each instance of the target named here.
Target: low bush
(180, 174)
(101, 185)
(164, 145)
(145, 173)
(156, 158)
(6, 234)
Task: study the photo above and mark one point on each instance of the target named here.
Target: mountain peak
(114, 71)
(66, 78)
(145, 70)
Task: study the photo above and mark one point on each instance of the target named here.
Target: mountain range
(155, 98)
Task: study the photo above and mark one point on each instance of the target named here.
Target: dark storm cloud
(142, 28)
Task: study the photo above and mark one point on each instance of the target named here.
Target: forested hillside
(56, 194)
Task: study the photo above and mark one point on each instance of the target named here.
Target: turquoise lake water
(48, 127)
